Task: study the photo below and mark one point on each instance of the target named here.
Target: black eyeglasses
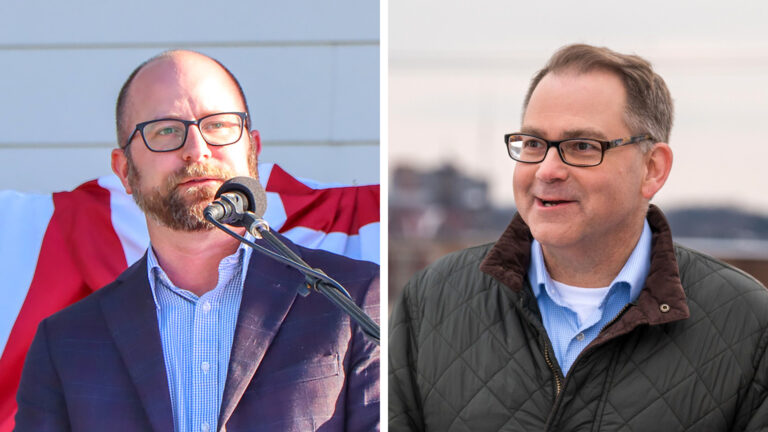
(579, 152)
(169, 134)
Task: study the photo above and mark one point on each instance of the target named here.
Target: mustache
(197, 170)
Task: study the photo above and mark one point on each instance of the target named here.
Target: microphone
(234, 198)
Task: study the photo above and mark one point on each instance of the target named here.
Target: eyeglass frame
(187, 123)
(604, 146)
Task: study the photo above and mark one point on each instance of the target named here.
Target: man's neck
(191, 259)
(591, 264)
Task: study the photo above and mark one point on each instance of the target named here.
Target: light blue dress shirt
(569, 336)
(197, 333)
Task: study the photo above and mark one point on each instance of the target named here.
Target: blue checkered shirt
(197, 333)
(569, 337)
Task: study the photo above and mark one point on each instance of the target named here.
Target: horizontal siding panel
(45, 23)
(357, 69)
(322, 93)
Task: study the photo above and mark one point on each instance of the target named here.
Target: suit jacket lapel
(268, 293)
(130, 313)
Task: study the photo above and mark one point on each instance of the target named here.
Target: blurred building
(432, 213)
(443, 203)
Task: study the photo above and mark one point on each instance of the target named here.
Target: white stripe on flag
(23, 223)
(265, 170)
(370, 239)
(128, 221)
(362, 246)
(275, 213)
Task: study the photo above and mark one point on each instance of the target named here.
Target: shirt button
(205, 427)
(205, 366)
(580, 337)
(206, 306)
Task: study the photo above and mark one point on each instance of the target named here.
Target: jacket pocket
(302, 371)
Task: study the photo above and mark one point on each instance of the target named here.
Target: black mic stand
(315, 279)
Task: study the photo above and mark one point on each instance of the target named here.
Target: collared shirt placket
(204, 365)
(197, 335)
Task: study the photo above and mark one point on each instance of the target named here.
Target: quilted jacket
(468, 351)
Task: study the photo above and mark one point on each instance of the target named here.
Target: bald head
(168, 68)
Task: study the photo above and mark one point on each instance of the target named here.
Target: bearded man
(200, 334)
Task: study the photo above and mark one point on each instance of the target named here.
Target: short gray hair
(649, 105)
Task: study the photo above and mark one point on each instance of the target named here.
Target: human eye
(164, 129)
(532, 144)
(168, 130)
(221, 123)
(215, 125)
(584, 146)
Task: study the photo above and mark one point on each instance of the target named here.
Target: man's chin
(555, 235)
(194, 219)
(191, 223)
(187, 217)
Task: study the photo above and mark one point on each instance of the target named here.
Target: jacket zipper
(618, 315)
(548, 359)
(558, 384)
(547, 348)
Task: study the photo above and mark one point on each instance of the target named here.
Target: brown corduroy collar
(662, 299)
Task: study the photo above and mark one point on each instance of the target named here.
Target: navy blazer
(297, 363)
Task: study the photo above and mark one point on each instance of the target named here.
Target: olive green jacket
(468, 351)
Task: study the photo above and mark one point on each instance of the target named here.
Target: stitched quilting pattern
(472, 360)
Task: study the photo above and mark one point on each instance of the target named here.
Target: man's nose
(195, 148)
(552, 168)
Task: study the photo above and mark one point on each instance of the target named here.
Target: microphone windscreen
(252, 190)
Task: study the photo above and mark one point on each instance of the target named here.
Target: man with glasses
(201, 334)
(584, 315)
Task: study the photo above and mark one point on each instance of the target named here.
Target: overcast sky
(458, 72)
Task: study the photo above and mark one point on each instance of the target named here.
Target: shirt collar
(240, 257)
(633, 273)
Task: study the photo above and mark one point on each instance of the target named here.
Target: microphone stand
(315, 279)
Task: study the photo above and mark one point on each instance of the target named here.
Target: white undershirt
(583, 301)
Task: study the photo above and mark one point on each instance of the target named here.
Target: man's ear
(658, 164)
(120, 167)
(256, 139)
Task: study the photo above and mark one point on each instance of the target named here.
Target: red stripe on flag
(338, 209)
(80, 253)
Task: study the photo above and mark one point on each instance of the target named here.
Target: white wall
(310, 71)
